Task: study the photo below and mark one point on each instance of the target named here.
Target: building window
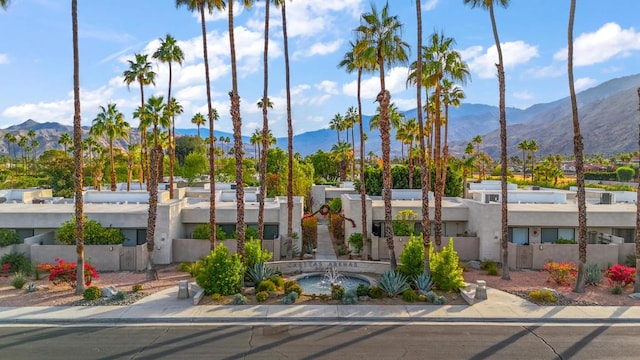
(271, 231)
(519, 236)
(629, 235)
(551, 235)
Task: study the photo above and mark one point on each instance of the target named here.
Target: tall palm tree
(351, 118)
(408, 134)
(255, 140)
(141, 71)
(524, 146)
(198, 120)
(380, 33)
(578, 152)
(64, 141)
(111, 122)
(341, 152)
(336, 124)
(170, 52)
(11, 139)
(200, 6)
(533, 149)
(77, 143)
(489, 4)
(452, 95)
(264, 105)
(173, 108)
(636, 286)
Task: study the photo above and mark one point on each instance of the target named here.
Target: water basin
(319, 283)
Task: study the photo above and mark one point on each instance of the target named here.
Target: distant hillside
(608, 119)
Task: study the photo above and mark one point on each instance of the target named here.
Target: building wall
(485, 221)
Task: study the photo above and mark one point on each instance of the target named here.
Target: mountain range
(608, 123)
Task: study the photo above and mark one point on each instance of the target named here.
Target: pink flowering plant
(562, 273)
(620, 276)
(65, 272)
(4, 270)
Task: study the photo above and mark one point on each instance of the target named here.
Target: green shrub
(625, 173)
(94, 234)
(288, 284)
(336, 227)
(18, 280)
(18, 262)
(412, 257)
(335, 205)
(295, 288)
(266, 285)
(259, 272)
(431, 296)
(422, 298)
(445, 269)
(363, 290)
(221, 273)
(355, 240)
(593, 274)
(119, 296)
(393, 283)
(403, 224)
(239, 299)
(8, 237)
(262, 296)
(92, 293)
(136, 288)
(565, 241)
(310, 231)
(249, 233)
(193, 268)
(254, 253)
(630, 260)
(439, 300)
(278, 281)
(290, 298)
(201, 232)
(337, 292)
(350, 297)
(423, 283)
(409, 296)
(490, 266)
(542, 296)
(216, 297)
(376, 293)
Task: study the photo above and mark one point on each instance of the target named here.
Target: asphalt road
(455, 341)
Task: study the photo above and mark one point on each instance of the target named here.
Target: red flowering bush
(65, 272)
(4, 271)
(562, 273)
(44, 267)
(620, 275)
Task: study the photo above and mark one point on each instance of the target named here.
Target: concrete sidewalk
(164, 307)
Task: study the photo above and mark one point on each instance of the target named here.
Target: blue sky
(36, 55)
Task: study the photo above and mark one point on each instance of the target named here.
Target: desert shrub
(490, 266)
(8, 237)
(445, 269)
(18, 262)
(412, 257)
(293, 288)
(221, 273)
(254, 253)
(94, 234)
(335, 205)
(355, 240)
(350, 297)
(422, 298)
(266, 285)
(376, 293)
(337, 292)
(288, 284)
(620, 275)
(431, 296)
(193, 268)
(290, 298)
(18, 280)
(593, 274)
(342, 249)
(562, 273)
(409, 296)
(310, 231)
(259, 272)
(393, 283)
(217, 297)
(542, 296)
(403, 223)
(65, 272)
(363, 290)
(119, 296)
(92, 293)
(249, 233)
(336, 227)
(423, 283)
(201, 232)
(625, 173)
(278, 281)
(565, 241)
(262, 296)
(439, 300)
(630, 260)
(239, 299)
(136, 288)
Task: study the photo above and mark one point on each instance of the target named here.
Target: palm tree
(173, 108)
(380, 33)
(451, 95)
(141, 71)
(488, 4)
(198, 120)
(265, 103)
(111, 122)
(65, 140)
(200, 5)
(408, 134)
(578, 152)
(168, 52)
(636, 286)
(11, 139)
(336, 124)
(342, 154)
(77, 143)
(524, 146)
(533, 149)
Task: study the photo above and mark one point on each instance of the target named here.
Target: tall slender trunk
(636, 286)
(237, 136)
(172, 136)
(363, 190)
(504, 241)
(289, 136)
(113, 167)
(353, 151)
(77, 143)
(152, 274)
(578, 151)
(437, 139)
(265, 125)
(212, 168)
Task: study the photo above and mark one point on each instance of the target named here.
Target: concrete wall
(480, 216)
(103, 257)
(603, 255)
(466, 247)
(343, 266)
(16, 248)
(624, 250)
(168, 227)
(48, 238)
(195, 249)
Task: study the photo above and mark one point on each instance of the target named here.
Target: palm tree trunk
(353, 151)
(78, 166)
(438, 163)
(172, 137)
(152, 274)
(363, 191)
(289, 136)
(113, 168)
(265, 126)
(636, 286)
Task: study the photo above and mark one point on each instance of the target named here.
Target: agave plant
(423, 283)
(259, 272)
(393, 283)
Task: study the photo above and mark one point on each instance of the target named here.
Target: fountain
(320, 283)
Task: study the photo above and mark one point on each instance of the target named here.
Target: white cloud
(395, 81)
(584, 83)
(328, 86)
(523, 95)
(310, 18)
(319, 48)
(4, 59)
(404, 104)
(483, 64)
(550, 71)
(607, 42)
(429, 5)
